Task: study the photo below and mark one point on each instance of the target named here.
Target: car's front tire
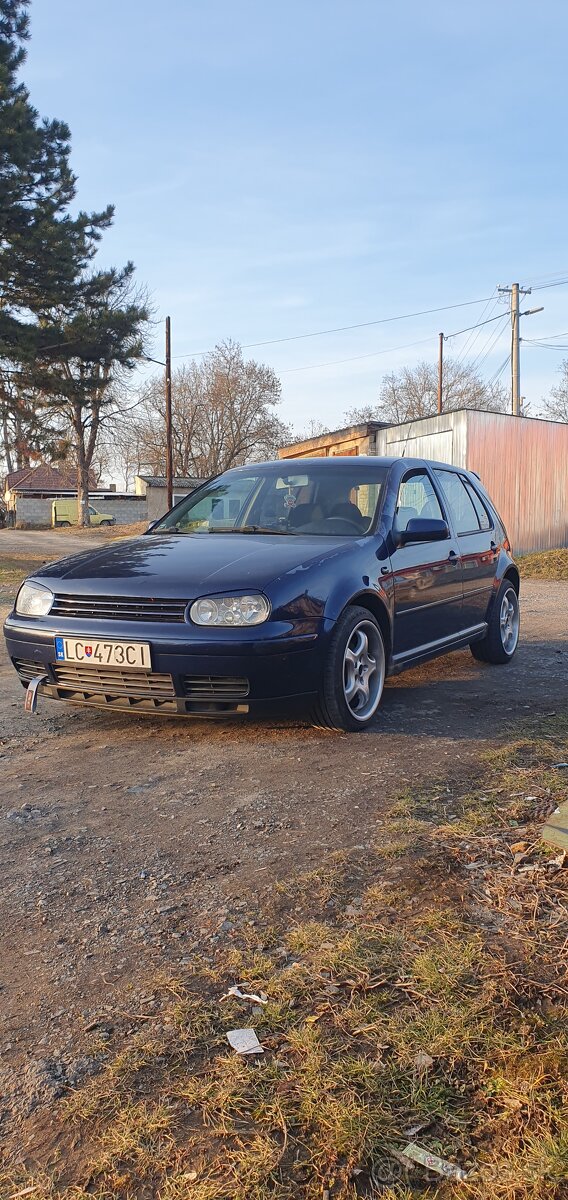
(354, 673)
(502, 637)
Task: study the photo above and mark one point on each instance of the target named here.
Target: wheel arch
(512, 573)
(375, 605)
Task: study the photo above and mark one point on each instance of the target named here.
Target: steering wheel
(344, 521)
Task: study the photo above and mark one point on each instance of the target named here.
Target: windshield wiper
(252, 529)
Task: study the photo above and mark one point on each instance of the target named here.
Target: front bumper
(206, 673)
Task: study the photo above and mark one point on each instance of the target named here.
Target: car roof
(347, 461)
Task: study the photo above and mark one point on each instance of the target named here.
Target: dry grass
(548, 564)
(14, 568)
(107, 533)
(430, 1005)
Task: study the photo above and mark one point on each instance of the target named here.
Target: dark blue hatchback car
(303, 582)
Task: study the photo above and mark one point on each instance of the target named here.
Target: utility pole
(440, 372)
(516, 292)
(169, 447)
(515, 352)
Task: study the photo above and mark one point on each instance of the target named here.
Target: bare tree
(556, 405)
(411, 393)
(222, 416)
(313, 429)
(128, 432)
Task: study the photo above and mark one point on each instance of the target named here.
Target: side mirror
(152, 525)
(423, 529)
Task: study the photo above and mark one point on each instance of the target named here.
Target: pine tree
(81, 378)
(43, 249)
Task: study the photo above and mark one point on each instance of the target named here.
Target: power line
(390, 350)
(539, 287)
(490, 344)
(357, 358)
(297, 337)
(543, 345)
(447, 336)
(496, 377)
(552, 278)
(553, 275)
(551, 337)
(467, 348)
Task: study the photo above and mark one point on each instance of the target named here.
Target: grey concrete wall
(125, 512)
(31, 511)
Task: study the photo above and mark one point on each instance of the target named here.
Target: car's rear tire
(354, 673)
(502, 637)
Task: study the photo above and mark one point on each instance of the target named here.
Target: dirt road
(124, 843)
(51, 542)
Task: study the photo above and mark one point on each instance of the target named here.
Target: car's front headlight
(230, 610)
(34, 600)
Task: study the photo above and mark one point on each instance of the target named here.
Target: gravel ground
(125, 843)
(55, 542)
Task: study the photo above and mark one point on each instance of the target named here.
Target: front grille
(27, 669)
(215, 687)
(140, 691)
(112, 681)
(119, 608)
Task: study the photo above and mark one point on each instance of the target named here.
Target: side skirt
(412, 658)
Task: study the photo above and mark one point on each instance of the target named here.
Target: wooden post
(169, 447)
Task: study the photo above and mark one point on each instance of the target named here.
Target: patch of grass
(546, 564)
(409, 999)
(13, 571)
(14, 568)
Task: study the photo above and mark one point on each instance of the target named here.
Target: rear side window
(460, 503)
(482, 514)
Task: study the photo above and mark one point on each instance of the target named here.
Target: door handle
(452, 556)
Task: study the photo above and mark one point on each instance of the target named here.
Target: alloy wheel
(363, 670)
(509, 621)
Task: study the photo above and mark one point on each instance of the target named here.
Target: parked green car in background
(65, 512)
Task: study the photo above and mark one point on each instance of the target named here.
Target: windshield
(325, 502)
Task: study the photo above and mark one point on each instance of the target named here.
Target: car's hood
(188, 565)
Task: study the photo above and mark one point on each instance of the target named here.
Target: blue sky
(284, 168)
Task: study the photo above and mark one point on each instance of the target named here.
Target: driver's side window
(416, 498)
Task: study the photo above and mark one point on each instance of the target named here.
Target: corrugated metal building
(522, 461)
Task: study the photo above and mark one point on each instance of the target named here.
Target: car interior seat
(430, 511)
(404, 514)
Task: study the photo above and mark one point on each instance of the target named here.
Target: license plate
(135, 655)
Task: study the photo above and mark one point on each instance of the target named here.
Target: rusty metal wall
(523, 463)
